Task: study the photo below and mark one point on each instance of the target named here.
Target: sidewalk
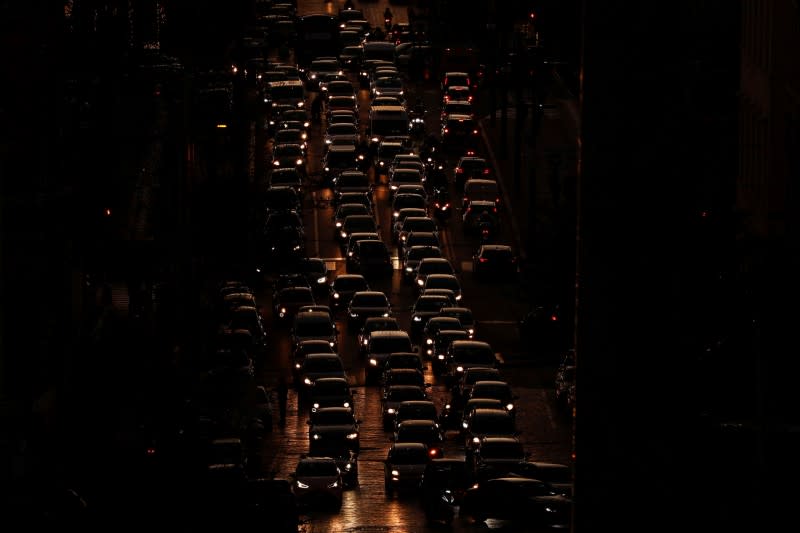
(543, 236)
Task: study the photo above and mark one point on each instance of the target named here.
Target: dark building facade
(687, 245)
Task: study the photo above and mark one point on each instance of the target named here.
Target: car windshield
(405, 378)
(317, 469)
(405, 393)
(323, 364)
(474, 375)
(500, 392)
(317, 328)
(346, 210)
(433, 282)
(492, 425)
(476, 355)
(435, 267)
(425, 434)
(342, 129)
(378, 325)
(403, 361)
(337, 417)
(409, 456)
(429, 304)
(505, 450)
(370, 300)
(350, 284)
(296, 295)
(416, 412)
(390, 345)
(330, 388)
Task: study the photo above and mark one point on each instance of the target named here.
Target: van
(481, 189)
(381, 344)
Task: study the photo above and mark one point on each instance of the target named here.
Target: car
(342, 102)
(400, 216)
(303, 348)
(333, 428)
(415, 410)
(459, 130)
(531, 501)
(412, 257)
(338, 158)
(454, 78)
(444, 483)
(338, 132)
(288, 300)
(442, 281)
(329, 392)
(386, 151)
(318, 480)
(365, 304)
(422, 238)
(431, 265)
(289, 156)
(476, 214)
(495, 389)
(315, 271)
(351, 181)
(281, 247)
(415, 225)
(496, 457)
(558, 475)
(291, 136)
(309, 325)
(370, 257)
(454, 108)
(393, 395)
(410, 360)
(273, 500)
(464, 315)
(355, 238)
(404, 176)
(282, 198)
(413, 188)
(466, 354)
(342, 288)
(485, 422)
(388, 85)
(380, 345)
(463, 387)
(375, 323)
(351, 55)
(424, 431)
(424, 308)
(409, 201)
(342, 116)
(457, 92)
(319, 365)
(404, 465)
(356, 198)
(356, 224)
(339, 88)
(455, 414)
(344, 210)
(432, 327)
(441, 344)
(470, 167)
(403, 376)
(318, 69)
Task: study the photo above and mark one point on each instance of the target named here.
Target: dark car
(305, 347)
(344, 210)
(282, 245)
(369, 258)
(404, 465)
(459, 131)
(515, 498)
(470, 167)
(364, 304)
(412, 257)
(338, 158)
(495, 262)
(433, 326)
(486, 423)
(496, 457)
(320, 365)
(470, 376)
(330, 392)
(558, 475)
(394, 395)
(375, 323)
(289, 300)
(424, 431)
(356, 224)
(342, 288)
(282, 198)
(415, 410)
(444, 483)
(441, 344)
(425, 307)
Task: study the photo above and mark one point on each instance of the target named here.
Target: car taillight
(483, 260)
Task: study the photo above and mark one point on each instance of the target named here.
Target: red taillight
(436, 205)
(150, 451)
(434, 452)
(485, 170)
(459, 171)
(474, 132)
(447, 130)
(483, 259)
(554, 318)
(497, 200)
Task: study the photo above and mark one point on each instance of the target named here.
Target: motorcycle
(486, 230)
(442, 209)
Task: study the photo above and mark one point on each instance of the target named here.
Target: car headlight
(343, 234)
(323, 279)
(390, 411)
(348, 466)
(395, 473)
(333, 485)
(510, 406)
(428, 341)
(440, 357)
(417, 318)
(476, 440)
(471, 331)
(299, 162)
(420, 282)
(373, 362)
(346, 404)
(459, 369)
(316, 405)
(366, 342)
(409, 269)
(352, 436)
(336, 296)
(316, 436)
(298, 365)
(301, 485)
(333, 343)
(307, 381)
(353, 315)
